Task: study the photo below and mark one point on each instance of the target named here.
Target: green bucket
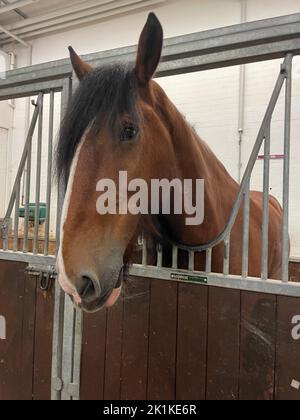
(32, 207)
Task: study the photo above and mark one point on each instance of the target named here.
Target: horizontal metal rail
(218, 280)
(238, 44)
(31, 89)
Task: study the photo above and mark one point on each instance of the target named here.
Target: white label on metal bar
(188, 278)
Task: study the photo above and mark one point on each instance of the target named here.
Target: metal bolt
(57, 384)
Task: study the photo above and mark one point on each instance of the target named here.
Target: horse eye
(129, 132)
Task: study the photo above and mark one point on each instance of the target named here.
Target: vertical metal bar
(246, 224)
(38, 178)
(191, 261)
(159, 255)
(65, 97)
(77, 353)
(208, 266)
(265, 218)
(175, 257)
(16, 221)
(57, 350)
(286, 170)
(226, 256)
(145, 252)
(68, 347)
(49, 173)
(27, 198)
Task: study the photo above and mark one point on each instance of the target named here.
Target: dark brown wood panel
(135, 340)
(295, 272)
(223, 344)
(12, 369)
(163, 341)
(28, 331)
(288, 349)
(191, 342)
(114, 337)
(258, 338)
(93, 356)
(43, 343)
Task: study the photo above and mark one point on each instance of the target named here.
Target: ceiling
(22, 20)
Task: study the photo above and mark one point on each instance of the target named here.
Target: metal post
(175, 258)
(16, 222)
(159, 255)
(226, 256)
(65, 97)
(191, 261)
(246, 223)
(266, 207)
(286, 171)
(145, 252)
(208, 267)
(57, 347)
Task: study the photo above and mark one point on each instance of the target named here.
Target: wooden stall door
(25, 353)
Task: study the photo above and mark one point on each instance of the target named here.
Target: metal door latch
(45, 275)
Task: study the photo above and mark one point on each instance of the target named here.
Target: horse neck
(195, 160)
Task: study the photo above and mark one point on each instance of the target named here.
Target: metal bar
(226, 256)
(266, 205)
(27, 258)
(208, 266)
(175, 257)
(246, 178)
(68, 348)
(263, 35)
(11, 35)
(27, 198)
(286, 171)
(191, 261)
(49, 174)
(250, 284)
(65, 97)
(57, 349)
(77, 354)
(145, 252)
(17, 11)
(246, 224)
(16, 5)
(159, 255)
(16, 221)
(31, 89)
(38, 178)
(227, 58)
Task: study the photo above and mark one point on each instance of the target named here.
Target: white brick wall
(209, 99)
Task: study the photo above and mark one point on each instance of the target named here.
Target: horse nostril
(86, 289)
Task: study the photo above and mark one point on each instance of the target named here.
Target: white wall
(6, 124)
(209, 99)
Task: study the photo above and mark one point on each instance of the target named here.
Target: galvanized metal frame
(238, 44)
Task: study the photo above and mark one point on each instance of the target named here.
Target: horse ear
(149, 49)
(80, 67)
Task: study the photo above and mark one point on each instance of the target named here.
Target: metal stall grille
(240, 44)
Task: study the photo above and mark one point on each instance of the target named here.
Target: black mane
(103, 95)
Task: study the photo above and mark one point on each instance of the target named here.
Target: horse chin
(104, 303)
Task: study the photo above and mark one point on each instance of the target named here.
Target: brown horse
(122, 120)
